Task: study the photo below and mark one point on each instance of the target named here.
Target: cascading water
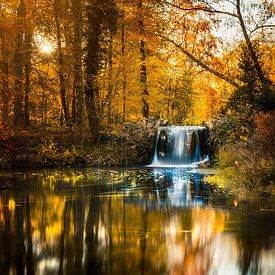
(180, 146)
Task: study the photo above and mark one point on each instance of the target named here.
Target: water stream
(180, 146)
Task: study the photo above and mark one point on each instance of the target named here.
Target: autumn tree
(7, 38)
(253, 96)
(143, 69)
(77, 57)
(234, 12)
(101, 19)
(62, 85)
(28, 51)
(18, 64)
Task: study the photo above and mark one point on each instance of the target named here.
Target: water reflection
(143, 221)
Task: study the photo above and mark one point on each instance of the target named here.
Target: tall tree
(61, 70)
(5, 90)
(28, 58)
(18, 63)
(101, 19)
(77, 57)
(124, 84)
(143, 69)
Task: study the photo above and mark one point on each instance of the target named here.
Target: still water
(131, 221)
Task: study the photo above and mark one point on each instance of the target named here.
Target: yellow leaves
(244, 138)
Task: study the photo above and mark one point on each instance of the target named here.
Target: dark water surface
(131, 221)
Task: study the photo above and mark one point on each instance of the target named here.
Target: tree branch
(249, 44)
(205, 9)
(262, 27)
(201, 64)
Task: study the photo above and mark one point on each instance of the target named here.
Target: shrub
(265, 131)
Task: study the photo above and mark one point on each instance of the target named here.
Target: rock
(164, 123)
(151, 124)
(209, 124)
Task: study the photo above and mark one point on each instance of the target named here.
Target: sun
(46, 48)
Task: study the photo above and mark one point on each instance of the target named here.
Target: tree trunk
(110, 73)
(18, 62)
(77, 55)
(5, 87)
(123, 60)
(61, 73)
(143, 69)
(250, 46)
(90, 99)
(28, 48)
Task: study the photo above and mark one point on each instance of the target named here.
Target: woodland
(88, 81)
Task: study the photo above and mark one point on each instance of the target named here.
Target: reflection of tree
(93, 262)
(30, 262)
(6, 235)
(254, 237)
(143, 241)
(79, 223)
(20, 247)
(192, 254)
(64, 232)
(110, 223)
(139, 232)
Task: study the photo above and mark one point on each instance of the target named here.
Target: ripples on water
(130, 221)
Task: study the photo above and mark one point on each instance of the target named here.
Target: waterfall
(177, 146)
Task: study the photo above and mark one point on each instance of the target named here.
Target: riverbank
(31, 149)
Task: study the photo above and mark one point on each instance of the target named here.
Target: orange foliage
(265, 132)
(265, 124)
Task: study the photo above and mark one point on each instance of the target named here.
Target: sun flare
(46, 48)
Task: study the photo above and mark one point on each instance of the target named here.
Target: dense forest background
(90, 68)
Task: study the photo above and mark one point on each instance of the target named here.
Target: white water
(180, 146)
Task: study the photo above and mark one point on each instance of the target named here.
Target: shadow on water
(143, 221)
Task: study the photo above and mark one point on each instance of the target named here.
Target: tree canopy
(93, 65)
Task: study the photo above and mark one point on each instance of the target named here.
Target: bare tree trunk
(143, 69)
(62, 83)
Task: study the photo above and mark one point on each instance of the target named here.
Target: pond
(131, 221)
